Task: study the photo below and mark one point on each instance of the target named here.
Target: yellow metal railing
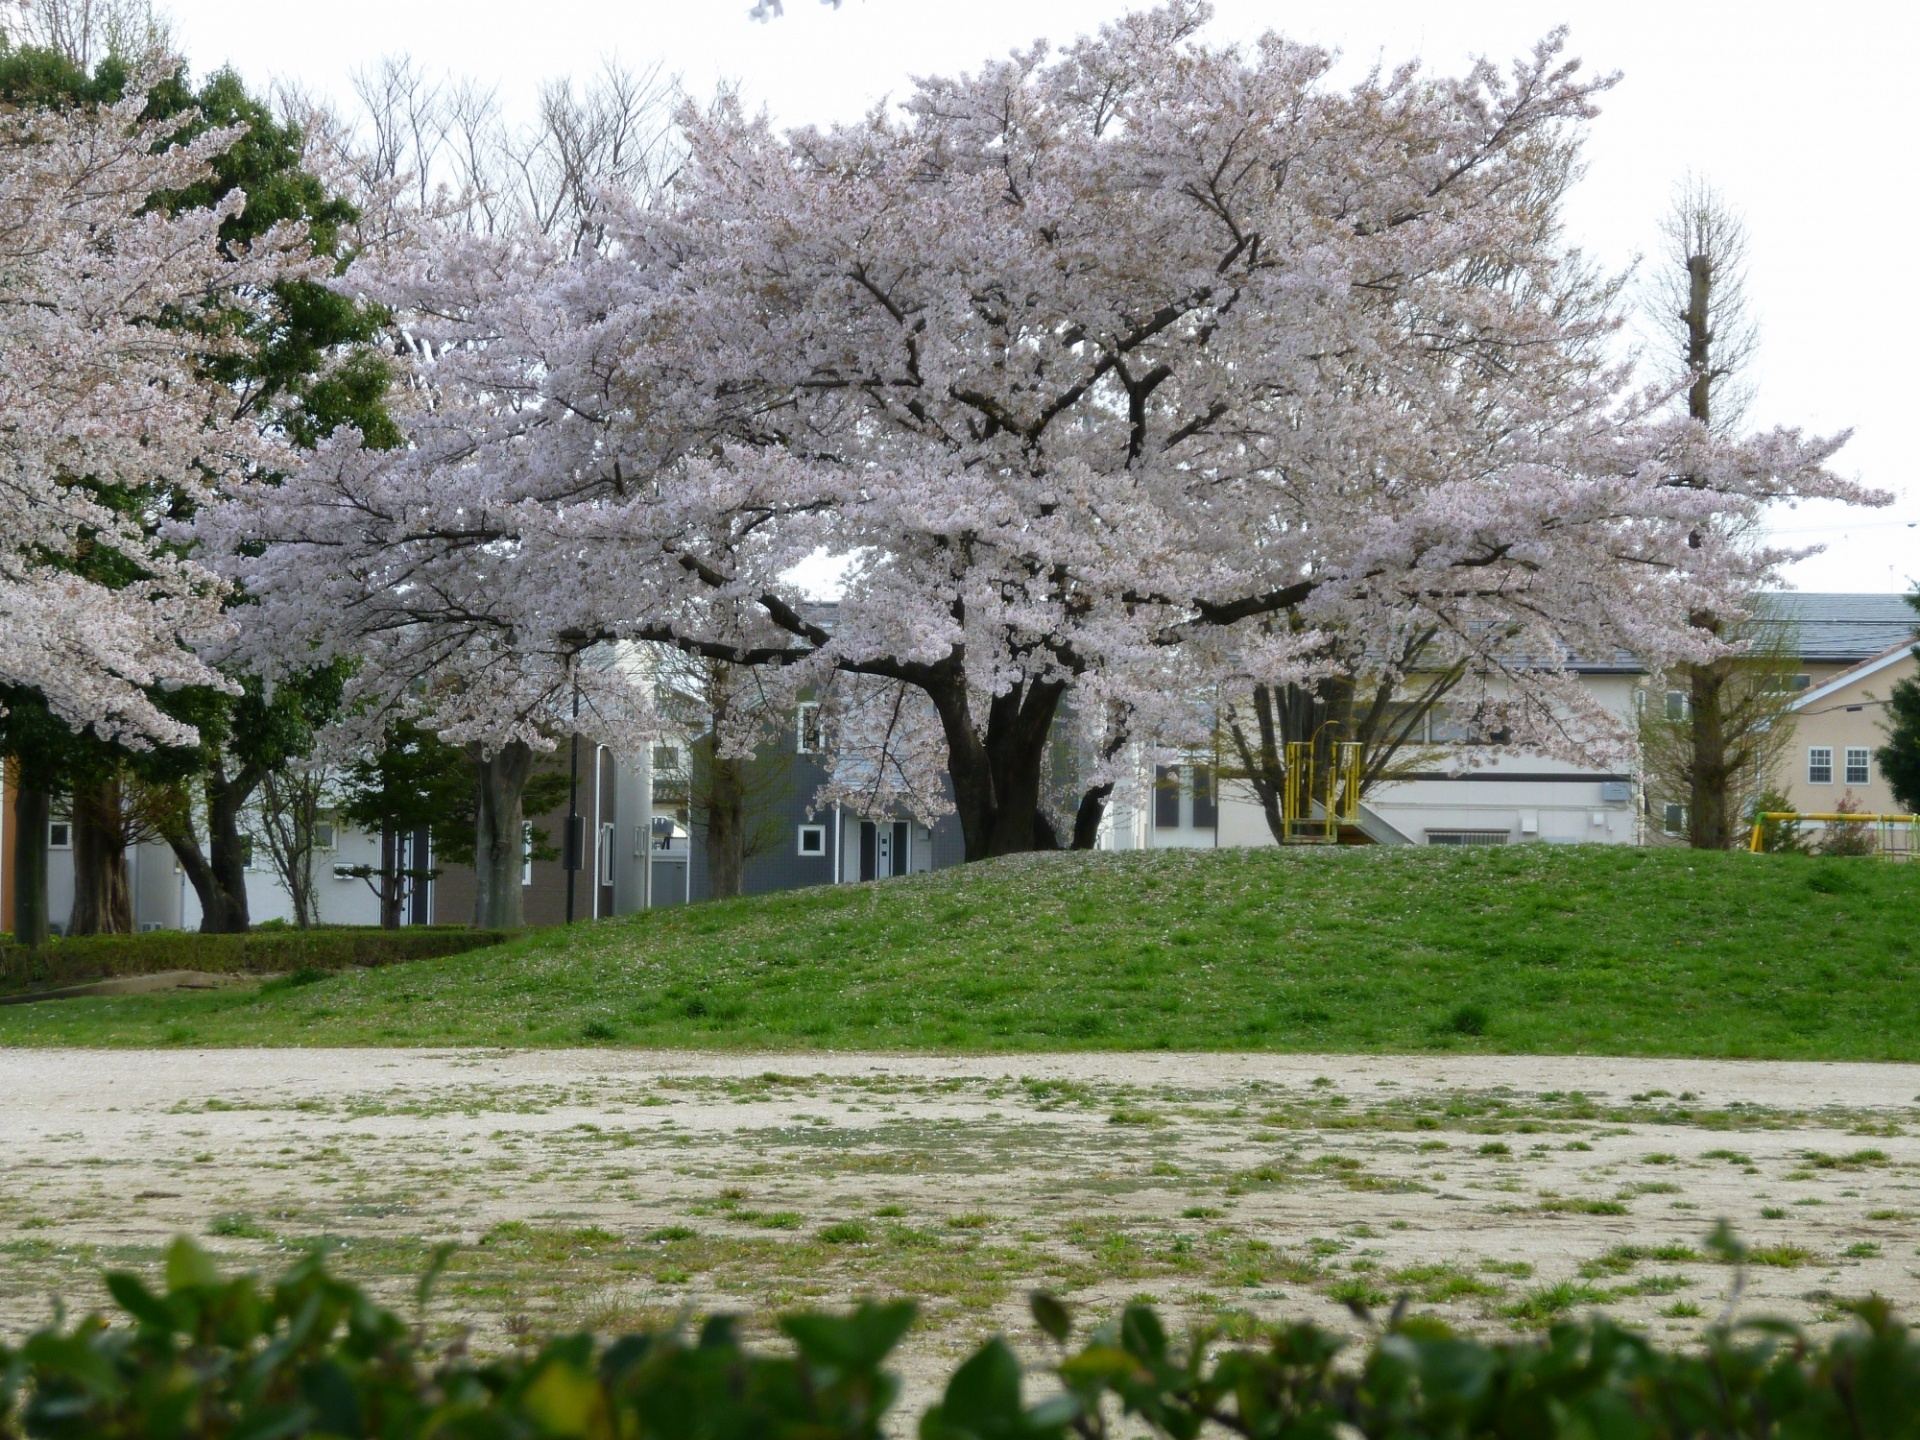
(1338, 797)
(1886, 827)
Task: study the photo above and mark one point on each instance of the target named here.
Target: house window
(606, 854)
(813, 840)
(1678, 706)
(60, 835)
(1673, 819)
(1820, 765)
(246, 852)
(1206, 813)
(526, 852)
(666, 757)
(807, 728)
(1858, 772)
(1466, 837)
(1166, 797)
(323, 835)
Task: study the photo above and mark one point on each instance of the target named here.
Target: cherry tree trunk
(33, 808)
(996, 775)
(500, 780)
(726, 828)
(102, 890)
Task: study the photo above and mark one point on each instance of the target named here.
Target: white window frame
(806, 715)
(605, 867)
(526, 852)
(1679, 705)
(61, 825)
(325, 835)
(817, 833)
(1820, 765)
(666, 757)
(1673, 818)
(1860, 773)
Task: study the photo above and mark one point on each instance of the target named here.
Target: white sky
(1801, 114)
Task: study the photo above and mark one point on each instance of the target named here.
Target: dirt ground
(619, 1188)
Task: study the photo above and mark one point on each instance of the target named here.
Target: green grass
(1543, 949)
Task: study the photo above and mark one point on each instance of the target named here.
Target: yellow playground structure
(1313, 808)
(1895, 837)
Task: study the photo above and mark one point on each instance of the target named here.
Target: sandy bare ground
(612, 1187)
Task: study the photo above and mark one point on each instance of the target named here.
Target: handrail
(1825, 817)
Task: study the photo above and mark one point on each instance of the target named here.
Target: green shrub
(311, 1356)
(301, 953)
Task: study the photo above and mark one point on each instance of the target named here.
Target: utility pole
(574, 837)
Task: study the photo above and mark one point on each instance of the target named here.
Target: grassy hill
(1527, 948)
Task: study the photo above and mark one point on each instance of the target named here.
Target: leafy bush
(311, 1356)
(78, 959)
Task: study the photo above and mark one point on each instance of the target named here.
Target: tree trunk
(726, 827)
(32, 809)
(498, 838)
(227, 860)
(1087, 818)
(102, 891)
(219, 882)
(996, 779)
(390, 882)
(1709, 823)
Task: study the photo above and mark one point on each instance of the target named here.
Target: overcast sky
(1801, 114)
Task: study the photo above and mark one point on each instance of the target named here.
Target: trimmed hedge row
(76, 960)
(310, 1356)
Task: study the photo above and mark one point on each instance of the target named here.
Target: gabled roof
(1893, 655)
(1842, 629)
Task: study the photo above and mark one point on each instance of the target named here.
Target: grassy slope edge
(1522, 949)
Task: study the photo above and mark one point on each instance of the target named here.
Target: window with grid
(1820, 765)
(1466, 837)
(1858, 759)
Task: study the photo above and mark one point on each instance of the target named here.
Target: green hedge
(82, 958)
(310, 1356)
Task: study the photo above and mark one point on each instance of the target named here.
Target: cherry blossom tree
(1114, 375)
(114, 313)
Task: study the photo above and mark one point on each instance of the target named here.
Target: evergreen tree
(1900, 757)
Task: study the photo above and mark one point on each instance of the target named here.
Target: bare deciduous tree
(1698, 300)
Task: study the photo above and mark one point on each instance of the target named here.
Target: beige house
(1838, 725)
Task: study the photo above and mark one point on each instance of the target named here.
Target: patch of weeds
(1857, 1160)
(598, 1030)
(1547, 1303)
(890, 1212)
(1651, 1187)
(238, 1225)
(1784, 1257)
(1683, 1310)
(1495, 1147)
(846, 1232)
(780, 1220)
(668, 1233)
(1862, 1250)
(1200, 1212)
(1576, 1205)
(1889, 1215)
(972, 1220)
(1134, 1117)
(1576, 1145)
(1732, 1157)
(1469, 1020)
(1436, 1284)
(1518, 1269)
(1773, 1212)
(1356, 1290)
